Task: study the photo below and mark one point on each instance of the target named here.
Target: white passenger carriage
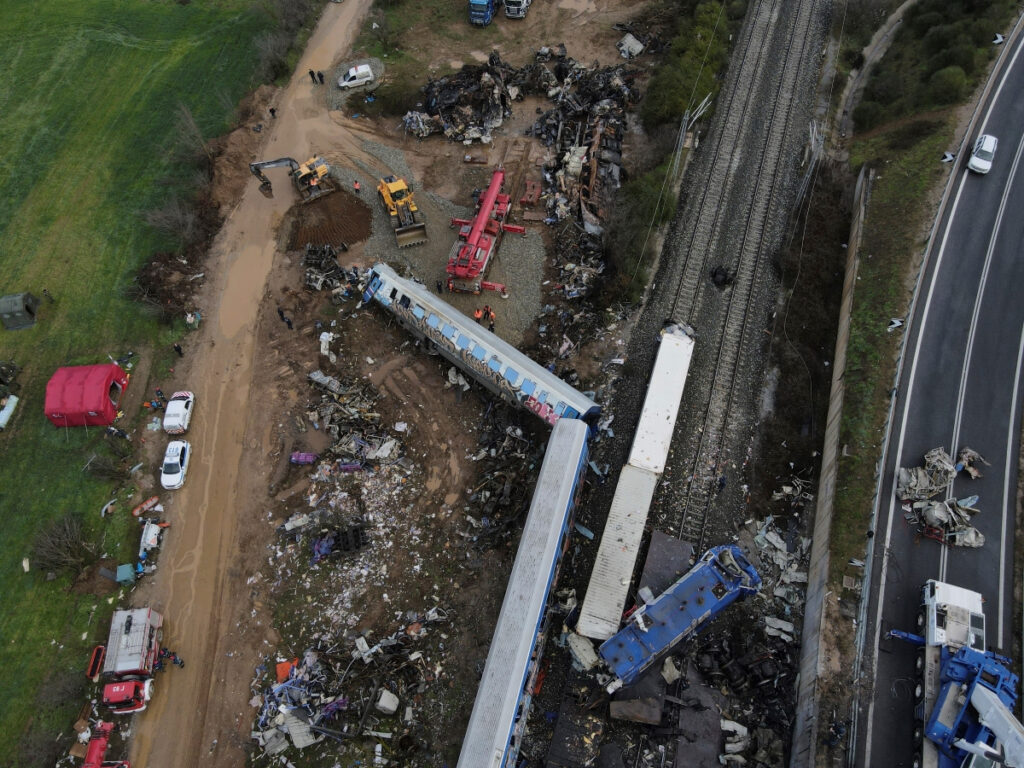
(496, 364)
(500, 713)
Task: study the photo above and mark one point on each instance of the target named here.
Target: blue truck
(481, 12)
(721, 577)
(966, 694)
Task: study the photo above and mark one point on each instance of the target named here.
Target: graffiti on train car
(505, 389)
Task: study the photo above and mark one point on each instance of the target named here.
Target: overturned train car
(494, 363)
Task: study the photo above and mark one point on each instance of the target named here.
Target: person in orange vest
(477, 314)
(490, 315)
(355, 186)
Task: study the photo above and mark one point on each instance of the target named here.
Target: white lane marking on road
(1008, 500)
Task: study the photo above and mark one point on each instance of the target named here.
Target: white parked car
(360, 75)
(176, 458)
(983, 154)
(178, 412)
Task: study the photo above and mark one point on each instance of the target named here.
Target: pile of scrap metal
(506, 458)
(636, 41)
(469, 104)
(795, 492)
(579, 257)
(329, 532)
(368, 692)
(919, 483)
(966, 460)
(322, 269)
(346, 413)
(947, 521)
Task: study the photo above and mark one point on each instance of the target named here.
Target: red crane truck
(479, 239)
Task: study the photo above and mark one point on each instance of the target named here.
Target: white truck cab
(356, 76)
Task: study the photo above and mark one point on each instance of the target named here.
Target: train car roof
(497, 700)
(661, 404)
(608, 589)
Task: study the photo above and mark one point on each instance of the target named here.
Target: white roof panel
(497, 701)
(661, 406)
(616, 556)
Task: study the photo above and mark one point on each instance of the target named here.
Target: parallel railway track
(751, 140)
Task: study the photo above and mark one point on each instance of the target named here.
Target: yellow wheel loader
(406, 218)
(312, 178)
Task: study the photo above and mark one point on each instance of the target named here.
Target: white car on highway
(178, 412)
(176, 458)
(983, 154)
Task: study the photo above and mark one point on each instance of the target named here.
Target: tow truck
(129, 659)
(479, 238)
(965, 694)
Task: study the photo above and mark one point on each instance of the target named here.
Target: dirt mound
(91, 582)
(338, 218)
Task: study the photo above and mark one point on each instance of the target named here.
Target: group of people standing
(485, 314)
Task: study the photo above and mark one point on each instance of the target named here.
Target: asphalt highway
(960, 385)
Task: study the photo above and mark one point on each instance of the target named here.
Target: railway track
(751, 142)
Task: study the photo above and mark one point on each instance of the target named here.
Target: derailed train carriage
(494, 363)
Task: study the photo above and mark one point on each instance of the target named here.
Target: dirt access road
(200, 714)
(243, 364)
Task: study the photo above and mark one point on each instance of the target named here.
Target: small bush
(854, 59)
(736, 10)
(867, 115)
(947, 86)
(272, 49)
(61, 546)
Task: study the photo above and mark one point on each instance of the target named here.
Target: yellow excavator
(406, 218)
(312, 178)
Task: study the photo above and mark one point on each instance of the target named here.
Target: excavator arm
(257, 170)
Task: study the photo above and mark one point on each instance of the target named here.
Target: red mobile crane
(479, 239)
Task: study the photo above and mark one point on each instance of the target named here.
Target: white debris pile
(947, 521)
(348, 575)
(937, 474)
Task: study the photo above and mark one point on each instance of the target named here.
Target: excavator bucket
(414, 234)
(267, 189)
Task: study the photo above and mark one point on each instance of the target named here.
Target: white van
(356, 76)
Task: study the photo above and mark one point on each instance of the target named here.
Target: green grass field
(89, 143)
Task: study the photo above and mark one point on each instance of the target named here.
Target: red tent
(85, 395)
